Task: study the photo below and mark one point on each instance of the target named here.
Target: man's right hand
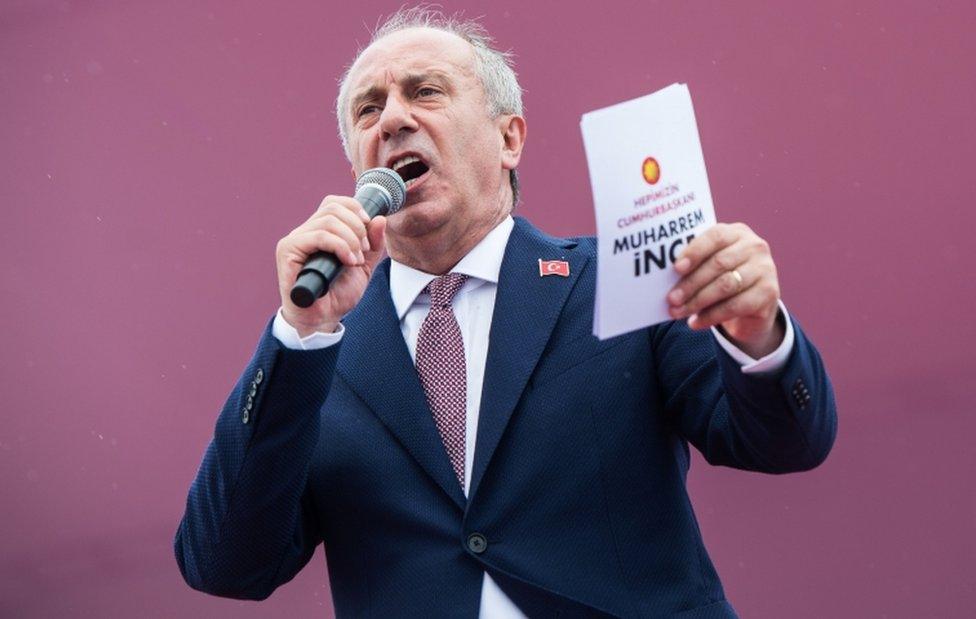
(340, 226)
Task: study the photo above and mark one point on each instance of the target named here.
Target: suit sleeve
(249, 524)
(775, 423)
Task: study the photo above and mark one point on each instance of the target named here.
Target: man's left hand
(729, 280)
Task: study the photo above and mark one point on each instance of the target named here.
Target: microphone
(381, 191)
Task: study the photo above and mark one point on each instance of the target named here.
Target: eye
(366, 109)
(427, 91)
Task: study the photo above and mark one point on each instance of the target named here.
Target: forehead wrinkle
(461, 61)
(424, 57)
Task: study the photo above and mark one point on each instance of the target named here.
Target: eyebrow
(409, 82)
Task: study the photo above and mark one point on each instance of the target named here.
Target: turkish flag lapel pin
(553, 267)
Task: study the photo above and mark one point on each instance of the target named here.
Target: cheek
(361, 151)
(485, 157)
(363, 154)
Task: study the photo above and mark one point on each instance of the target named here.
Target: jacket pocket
(563, 361)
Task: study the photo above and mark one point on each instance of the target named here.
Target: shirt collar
(483, 263)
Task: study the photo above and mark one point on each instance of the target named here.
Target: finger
(749, 302)
(349, 203)
(724, 286)
(335, 224)
(702, 247)
(304, 244)
(718, 263)
(341, 212)
(344, 204)
(348, 218)
(376, 238)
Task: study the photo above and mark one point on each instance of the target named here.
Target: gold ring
(738, 278)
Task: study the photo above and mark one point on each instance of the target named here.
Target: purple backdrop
(153, 154)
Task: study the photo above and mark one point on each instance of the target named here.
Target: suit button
(801, 395)
(253, 391)
(477, 543)
(249, 404)
(245, 416)
(259, 376)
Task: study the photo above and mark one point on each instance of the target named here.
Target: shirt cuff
(769, 364)
(289, 338)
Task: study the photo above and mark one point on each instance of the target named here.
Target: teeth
(399, 163)
(410, 182)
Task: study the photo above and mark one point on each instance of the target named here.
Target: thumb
(376, 233)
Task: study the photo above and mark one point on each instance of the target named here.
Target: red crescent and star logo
(553, 267)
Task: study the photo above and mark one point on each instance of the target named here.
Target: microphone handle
(321, 268)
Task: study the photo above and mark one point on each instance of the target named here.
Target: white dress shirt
(473, 307)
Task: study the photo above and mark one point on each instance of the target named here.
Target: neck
(437, 252)
(438, 256)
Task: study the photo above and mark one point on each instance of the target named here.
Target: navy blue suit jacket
(578, 483)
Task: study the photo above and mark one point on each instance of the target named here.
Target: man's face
(415, 94)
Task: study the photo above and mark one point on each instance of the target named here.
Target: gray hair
(494, 67)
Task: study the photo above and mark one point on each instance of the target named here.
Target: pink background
(154, 152)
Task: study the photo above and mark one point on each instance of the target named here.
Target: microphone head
(388, 180)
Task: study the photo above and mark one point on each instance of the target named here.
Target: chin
(418, 219)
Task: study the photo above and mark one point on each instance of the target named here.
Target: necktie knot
(443, 289)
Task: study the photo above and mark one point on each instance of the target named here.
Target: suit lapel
(527, 307)
(377, 366)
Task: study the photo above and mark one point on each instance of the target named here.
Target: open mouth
(410, 168)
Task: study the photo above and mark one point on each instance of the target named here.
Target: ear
(513, 139)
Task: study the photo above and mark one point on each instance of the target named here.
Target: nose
(396, 117)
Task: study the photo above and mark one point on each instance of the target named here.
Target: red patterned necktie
(440, 364)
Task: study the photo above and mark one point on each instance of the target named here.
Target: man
(445, 421)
